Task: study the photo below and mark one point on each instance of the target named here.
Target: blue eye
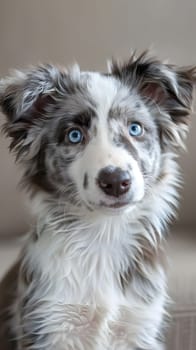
(135, 129)
(75, 136)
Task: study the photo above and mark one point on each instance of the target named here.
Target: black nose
(114, 181)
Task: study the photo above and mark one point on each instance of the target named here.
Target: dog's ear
(24, 99)
(165, 87)
(24, 94)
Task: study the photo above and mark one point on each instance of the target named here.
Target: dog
(99, 153)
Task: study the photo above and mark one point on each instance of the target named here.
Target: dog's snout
(114, 181)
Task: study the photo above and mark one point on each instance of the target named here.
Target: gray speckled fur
(73, 244)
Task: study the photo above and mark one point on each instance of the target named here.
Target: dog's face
(97, 140)
(114, 145)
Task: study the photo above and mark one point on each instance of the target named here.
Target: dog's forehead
(107, 92)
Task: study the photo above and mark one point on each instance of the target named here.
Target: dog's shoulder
(8, 289)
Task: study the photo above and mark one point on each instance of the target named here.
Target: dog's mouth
(112, 205)
(115, 205)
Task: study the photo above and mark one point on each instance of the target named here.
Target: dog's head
(97, 140)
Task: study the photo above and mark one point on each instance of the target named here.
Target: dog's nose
(114, 181)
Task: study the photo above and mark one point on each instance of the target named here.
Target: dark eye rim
(142, 129)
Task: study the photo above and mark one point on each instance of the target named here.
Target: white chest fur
(77, 268)
(83, 260)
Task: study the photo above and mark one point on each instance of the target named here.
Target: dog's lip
(115, 205)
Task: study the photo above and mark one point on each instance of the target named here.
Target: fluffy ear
(23, 94)
(24, 98)
(163, 86)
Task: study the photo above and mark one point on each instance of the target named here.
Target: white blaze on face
(101, 151)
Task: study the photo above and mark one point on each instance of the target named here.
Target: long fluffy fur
(92, 276)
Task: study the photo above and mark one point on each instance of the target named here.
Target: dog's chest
(93, 275)
(87, 267)
(80, 285)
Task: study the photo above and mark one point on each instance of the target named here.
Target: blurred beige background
(90, 31)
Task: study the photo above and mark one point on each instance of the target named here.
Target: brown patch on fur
(162, 177)
(150, 255)
(126, 278)
(147, 255)
(8, 289)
